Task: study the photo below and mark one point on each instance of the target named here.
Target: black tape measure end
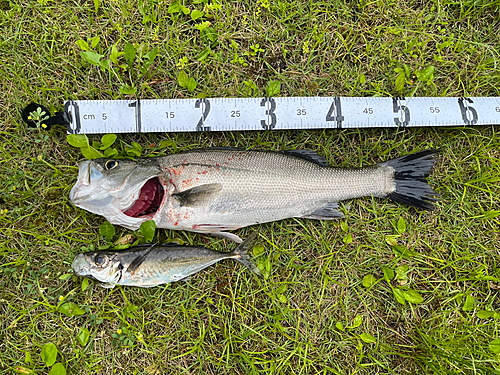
(44, 118)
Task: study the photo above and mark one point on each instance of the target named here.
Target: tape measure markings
(273, 113)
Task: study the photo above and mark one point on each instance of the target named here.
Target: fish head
(125, 192)
(99, 266)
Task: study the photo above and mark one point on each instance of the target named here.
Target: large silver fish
(217, 190)
(150, 265)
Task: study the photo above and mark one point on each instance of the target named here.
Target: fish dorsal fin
(219, 149)
(308, 155)
(139, 259)
(197, 195)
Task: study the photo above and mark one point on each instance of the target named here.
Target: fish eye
(99, 260)
(110, 164)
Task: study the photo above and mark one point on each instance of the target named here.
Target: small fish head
(99, 266)
(109, 187)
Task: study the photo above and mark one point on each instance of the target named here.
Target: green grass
(225, 320)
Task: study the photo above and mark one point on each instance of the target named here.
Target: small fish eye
(99, 260)
(110, 164)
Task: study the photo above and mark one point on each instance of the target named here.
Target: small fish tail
(241, 254)
(410, 173)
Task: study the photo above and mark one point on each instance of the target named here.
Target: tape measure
(275, 113)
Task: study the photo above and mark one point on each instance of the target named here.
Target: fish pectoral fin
(106, 285)
(185, 278)
(228, 236)
(197, 195)
(329, 212)
(139, 259)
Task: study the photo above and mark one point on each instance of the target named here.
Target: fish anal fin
(309, 156)
(197, 195)
(328, 212)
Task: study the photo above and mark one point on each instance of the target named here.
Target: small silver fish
(218, 190)
(151, 265)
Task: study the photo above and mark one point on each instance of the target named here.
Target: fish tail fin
(410, 173)
(241, 254)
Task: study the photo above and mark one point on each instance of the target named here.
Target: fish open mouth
(149, 200)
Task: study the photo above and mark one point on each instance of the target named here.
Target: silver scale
(276, 113)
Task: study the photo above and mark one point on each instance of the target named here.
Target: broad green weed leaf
(401, 225)
(174, 7)
(147, 229)
(204, 54)
(128, 311)
(407, 70)
(369, 280)
(105, 64)
(412, 296)
(185, 10)
(91, 57)
(391, 240)
(495, 346)
(95, 41)
(110, 152)
(366, 337)
(85, 284)
(83, 45)
(57, 369)
(426, 74)
(339, 326)
(344, 226)
(257, 250)
(400, 82)
(388, 273)
(132, 151)
(399, 295)
(77, 140)
(49, 354)
(128, 90)
(107, 140)
(151, 55)
(115, 54)
(195, 14)
(182, 79)
(209, 34)
(347, 239)
(402, 251)
(356, 322)
(483, 314)
(90, 153)
(281, 289)
(273, 88)
(137, 146)
(65, 276)
(83, 336)
(107, 230)
(401, 272)
(191, 85)
(469, 303)
(70, 309)
(129, 51)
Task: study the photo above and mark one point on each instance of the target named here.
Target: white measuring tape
(276, 113)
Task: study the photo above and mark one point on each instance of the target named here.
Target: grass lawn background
(325, 305)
